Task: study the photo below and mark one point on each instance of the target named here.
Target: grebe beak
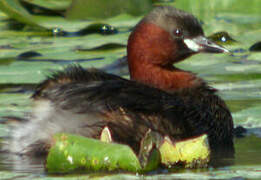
(202, 44)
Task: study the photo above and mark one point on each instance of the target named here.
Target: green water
(237, 76)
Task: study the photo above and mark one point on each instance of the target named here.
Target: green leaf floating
(51, 4)
(98, 9)
(71, 153)
(194, 152)
(15, 10)
(118, 15)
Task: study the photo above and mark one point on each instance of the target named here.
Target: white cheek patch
(192, 45)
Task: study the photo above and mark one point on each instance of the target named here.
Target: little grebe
(159, 96)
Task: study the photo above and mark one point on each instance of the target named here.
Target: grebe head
(163, 37)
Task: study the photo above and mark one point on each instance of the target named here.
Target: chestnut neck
(151, 53)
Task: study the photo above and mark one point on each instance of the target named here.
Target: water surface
(237, 76)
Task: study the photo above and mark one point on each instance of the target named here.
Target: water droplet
(106, 158)
(223, 39)
(57, 31)
(70, 159)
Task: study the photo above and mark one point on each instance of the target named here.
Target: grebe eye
(178, 32)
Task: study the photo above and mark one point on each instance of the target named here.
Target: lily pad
(149, 155)
(98, 9)
(193, 152)
(15, 10)
(51, 4)
(72, 153)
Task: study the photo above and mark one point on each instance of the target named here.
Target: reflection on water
(21, 164)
